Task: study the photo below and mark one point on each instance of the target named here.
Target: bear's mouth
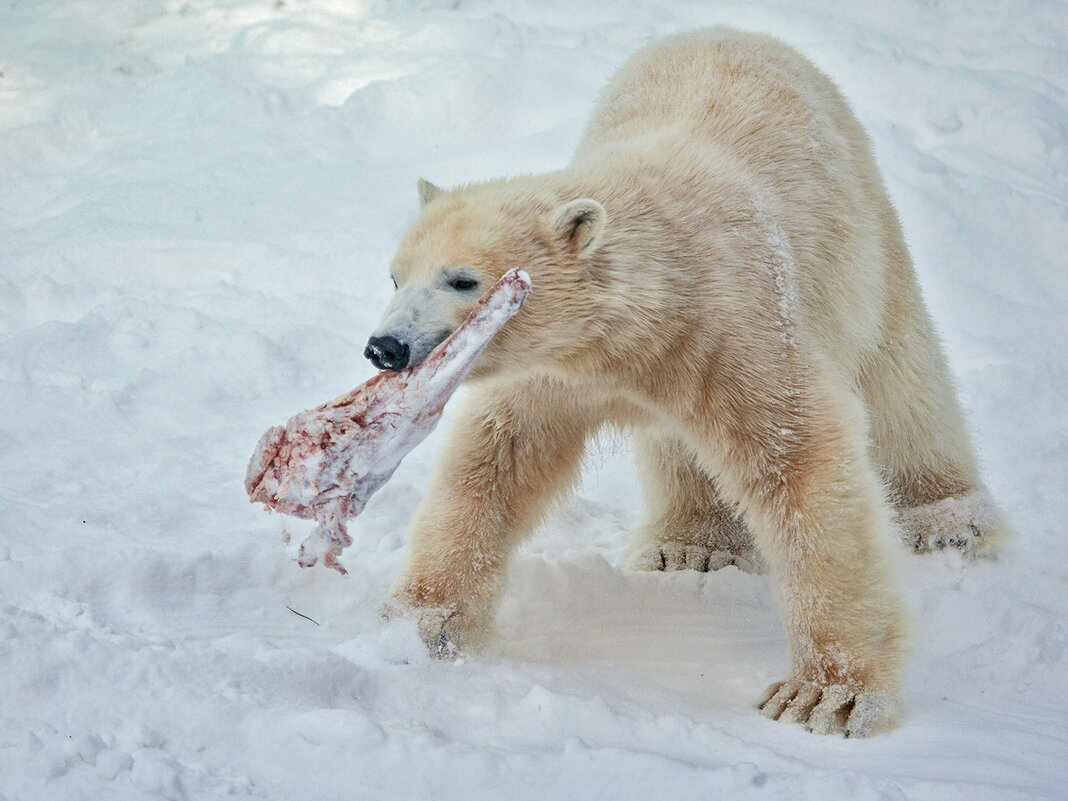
(424, 345)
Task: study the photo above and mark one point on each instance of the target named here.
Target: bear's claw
(834, 709)
(670, 556)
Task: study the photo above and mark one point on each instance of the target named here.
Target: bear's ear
(427, 192)
(579, 225)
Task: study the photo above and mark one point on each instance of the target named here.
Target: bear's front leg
(818, 515)
(511, 450)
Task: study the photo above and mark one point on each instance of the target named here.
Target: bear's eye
(463, 284)
(394, 280)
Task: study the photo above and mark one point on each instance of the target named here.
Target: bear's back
(748, 95)
(724, 125)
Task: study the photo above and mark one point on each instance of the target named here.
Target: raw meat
(326, 463)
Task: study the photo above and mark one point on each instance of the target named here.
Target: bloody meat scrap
(324, 464)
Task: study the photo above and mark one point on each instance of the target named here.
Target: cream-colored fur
(721, 271)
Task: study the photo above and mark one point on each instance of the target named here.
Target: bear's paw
(969, 522)
(669, 556)
(447, 632)
(834, 709)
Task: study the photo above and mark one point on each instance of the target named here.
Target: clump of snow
(783, 268)
(199, 202)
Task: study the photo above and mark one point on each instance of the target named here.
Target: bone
(326, 463)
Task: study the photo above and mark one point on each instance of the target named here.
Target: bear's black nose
(387, 353)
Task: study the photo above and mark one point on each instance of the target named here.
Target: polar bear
(721, 272)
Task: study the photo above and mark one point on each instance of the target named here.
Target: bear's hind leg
(688, 525)
(920, 443)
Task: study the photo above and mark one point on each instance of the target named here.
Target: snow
(784, 269)
(198, 205)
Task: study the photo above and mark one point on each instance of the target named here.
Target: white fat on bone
(326, 463)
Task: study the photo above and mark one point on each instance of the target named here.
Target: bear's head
(461, 242)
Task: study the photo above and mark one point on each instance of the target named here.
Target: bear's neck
(646, 306)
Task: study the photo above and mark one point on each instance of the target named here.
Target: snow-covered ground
(198, 202)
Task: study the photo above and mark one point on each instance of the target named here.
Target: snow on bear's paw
(448, 631)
